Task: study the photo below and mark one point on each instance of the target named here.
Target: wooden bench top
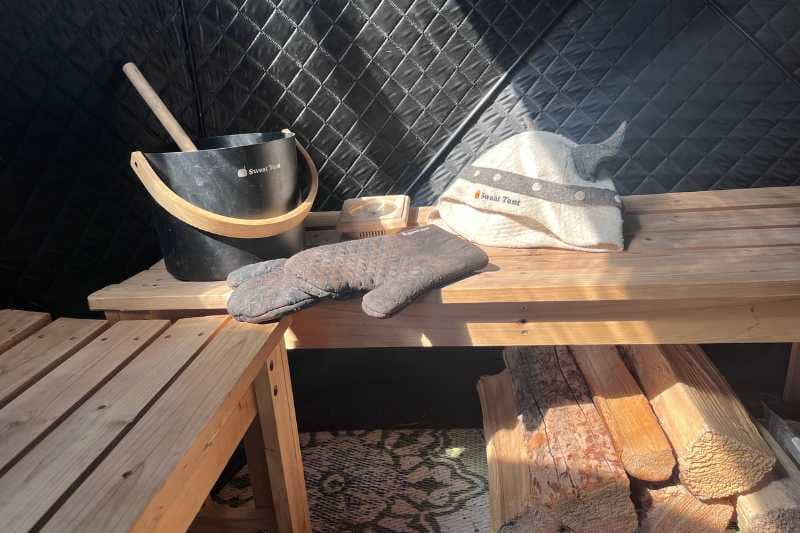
(700, 249)
(102, 424)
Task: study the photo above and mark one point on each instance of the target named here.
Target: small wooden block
(371, 216)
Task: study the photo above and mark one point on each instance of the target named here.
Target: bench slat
(31, 414)
(659, 243)
(30, 359)
(673, 202)
(566, 276)
(15, 325)
(149, 468)
(779, 217)
(30, 489)
(343, 324)
(757, 198)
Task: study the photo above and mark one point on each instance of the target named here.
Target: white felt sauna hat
(538, 189)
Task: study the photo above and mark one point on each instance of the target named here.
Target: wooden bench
(704, 267)
(126, 426)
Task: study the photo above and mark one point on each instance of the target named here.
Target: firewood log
(774, 507)
(642, 446)
(672, 509)
(719, 450)
(552, 465)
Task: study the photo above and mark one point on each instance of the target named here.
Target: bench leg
(791, 388)
(257, 466)
(281, 444)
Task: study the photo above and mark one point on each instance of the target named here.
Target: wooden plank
(755, 198)
(741, 272)
(33, 357)
(775, 505)
(673, 509)
(719, 450)
(321, 219)
(34, 412)
(791, 386)
(642, 242)
(282, 443)
(257, 468)
(15, 325)
(778, 217)
(204, 471)
(505, 451)
(157, 477)
(343, 324)
(32, 488)
(643, 448)
(724, 273)
(661, 242)
(577, 482)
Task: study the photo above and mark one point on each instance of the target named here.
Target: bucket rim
(280, 136)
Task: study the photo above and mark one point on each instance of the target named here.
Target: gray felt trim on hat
(544, 190)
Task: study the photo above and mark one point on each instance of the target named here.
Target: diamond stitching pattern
(377, 77)
(776, 25)
(705, 109)
(75, 218)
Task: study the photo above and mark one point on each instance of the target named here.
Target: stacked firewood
(603, 439)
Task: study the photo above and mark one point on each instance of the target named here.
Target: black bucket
(246, 178)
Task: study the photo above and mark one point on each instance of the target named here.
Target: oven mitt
(264, 292)
(240, 275)
(392, 270)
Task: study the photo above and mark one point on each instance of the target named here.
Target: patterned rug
(390, 480)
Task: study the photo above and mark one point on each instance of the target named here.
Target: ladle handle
(158, 108)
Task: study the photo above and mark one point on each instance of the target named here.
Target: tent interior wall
(393, 97)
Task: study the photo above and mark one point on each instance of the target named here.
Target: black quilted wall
(391, 96)
(709, 105)
(73, 216)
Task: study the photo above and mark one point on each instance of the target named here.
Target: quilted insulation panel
(391, 96)
(74, 217)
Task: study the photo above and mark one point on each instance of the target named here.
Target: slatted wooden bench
(126, 426)
(703, 267)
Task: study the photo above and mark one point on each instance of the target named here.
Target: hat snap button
(536, 186)
(580, 196)
(497, 177)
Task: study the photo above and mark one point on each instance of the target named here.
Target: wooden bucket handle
(205, 220)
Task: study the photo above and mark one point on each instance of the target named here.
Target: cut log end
(716, 466)
(674, 509)
(656, 466)
(719, 450)
(774, 506)
(608, 509)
